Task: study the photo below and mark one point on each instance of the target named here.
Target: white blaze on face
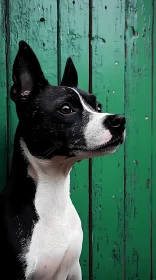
(95, 132)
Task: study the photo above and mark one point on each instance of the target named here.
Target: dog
(41, 234)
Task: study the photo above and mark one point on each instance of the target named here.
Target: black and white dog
(41, 235)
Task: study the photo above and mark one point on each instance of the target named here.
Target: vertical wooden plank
(153, 152)
(36, 23)
(138, 79)
(108, 172)
(74, 27)
(3, 96)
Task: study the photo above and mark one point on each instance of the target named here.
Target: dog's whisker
(35, 128)
(48, 152)
(50, 131)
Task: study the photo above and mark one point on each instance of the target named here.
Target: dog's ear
(27, 74)
(70, 76)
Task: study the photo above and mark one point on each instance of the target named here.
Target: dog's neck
(52, 179)
(19, 184)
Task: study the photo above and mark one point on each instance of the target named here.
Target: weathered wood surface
(3, 96)
(113, 46)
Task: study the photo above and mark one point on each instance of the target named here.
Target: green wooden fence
(113, 45)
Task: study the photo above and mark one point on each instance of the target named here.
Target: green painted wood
(153, 225)
(138, 87)
(36, 23)
(108, 172)
(123, 77)
(3, 99)
(74, 42)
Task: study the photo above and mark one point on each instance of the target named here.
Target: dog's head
(60, 120)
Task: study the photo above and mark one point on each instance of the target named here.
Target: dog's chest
(57, 236)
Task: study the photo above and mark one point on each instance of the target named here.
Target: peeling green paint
(112, 44)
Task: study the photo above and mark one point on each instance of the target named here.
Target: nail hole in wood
(134, 32)
(42, 19)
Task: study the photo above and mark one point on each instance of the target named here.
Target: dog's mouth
(107, 148)
(114, 142)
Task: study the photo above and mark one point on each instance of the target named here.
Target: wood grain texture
(153, 152)
(73, 38)
(122, 70)
(3, 97)
(36, 23)
(138, 77)
(108, 172)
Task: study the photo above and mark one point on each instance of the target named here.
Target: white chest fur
(56, 240)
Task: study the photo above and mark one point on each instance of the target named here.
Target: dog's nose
(115, 121)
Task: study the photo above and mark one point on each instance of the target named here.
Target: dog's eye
(66, 109)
